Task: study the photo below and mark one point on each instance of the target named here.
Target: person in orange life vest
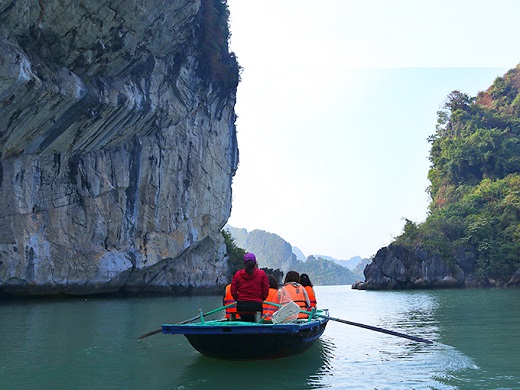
(231, 312)
(249, 288)
(274, 296)
(292, 290)
(305, 281)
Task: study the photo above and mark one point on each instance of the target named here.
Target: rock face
(117, 150)
(396, 267)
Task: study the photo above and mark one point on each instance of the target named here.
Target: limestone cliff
(117, 145)
(397, 267)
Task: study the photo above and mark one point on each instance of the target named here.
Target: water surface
(92, 343)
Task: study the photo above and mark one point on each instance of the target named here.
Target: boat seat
(257, 314)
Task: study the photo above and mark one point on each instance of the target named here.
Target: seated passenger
(305, 281)
(274, 296)
(250, 288)
(292, 290)
(231, 312)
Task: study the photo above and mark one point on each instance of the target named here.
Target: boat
(239, 340)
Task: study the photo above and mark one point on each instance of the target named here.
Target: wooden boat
(239, 340)
(286, 335)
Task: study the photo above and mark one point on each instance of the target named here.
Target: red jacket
(250, 288)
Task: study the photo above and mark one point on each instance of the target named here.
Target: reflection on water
(297, 372)
(449, 363)
(325, 372)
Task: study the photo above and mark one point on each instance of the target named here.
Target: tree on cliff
(235, 254)
(475, 181)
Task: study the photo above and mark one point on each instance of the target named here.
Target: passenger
(231, 312)
(305, 281)
(249, 288)
(274, 296)
(294, 291)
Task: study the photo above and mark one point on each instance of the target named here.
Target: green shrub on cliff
(218, 64)
(235, 254)
(475, 180)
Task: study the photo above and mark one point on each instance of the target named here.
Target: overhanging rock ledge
(117, 146)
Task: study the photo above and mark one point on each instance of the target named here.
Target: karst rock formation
(117, 145)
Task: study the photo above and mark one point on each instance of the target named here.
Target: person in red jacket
(249, 287)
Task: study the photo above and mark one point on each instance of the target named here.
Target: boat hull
(235, 340)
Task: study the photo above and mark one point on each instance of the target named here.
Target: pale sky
(336, 101)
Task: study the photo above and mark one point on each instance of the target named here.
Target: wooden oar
(370, 327)
(377, 329)
(188, 321)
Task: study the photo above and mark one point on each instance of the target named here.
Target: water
(92, 344)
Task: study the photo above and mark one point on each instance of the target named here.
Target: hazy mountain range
(273, 251)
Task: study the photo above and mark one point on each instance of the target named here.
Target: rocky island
(471, 237)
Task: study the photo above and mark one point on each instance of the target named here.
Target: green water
(92, 344)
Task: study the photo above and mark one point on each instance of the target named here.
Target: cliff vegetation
(475, 186)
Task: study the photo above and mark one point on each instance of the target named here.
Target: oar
(188, 321)
(370, 327)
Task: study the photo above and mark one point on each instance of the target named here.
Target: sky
(335, 104)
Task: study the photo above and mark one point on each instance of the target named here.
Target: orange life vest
(274, 296)
(312, 296)
(228, 299)
(296, 293)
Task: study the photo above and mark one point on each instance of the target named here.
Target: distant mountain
(299, 254)
(272, 251)
(359, 270)
(355, 264)
(352, 263)
(239, 235)
(325, 257)
(326, 272)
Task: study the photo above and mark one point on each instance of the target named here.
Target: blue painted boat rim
(242, 327)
